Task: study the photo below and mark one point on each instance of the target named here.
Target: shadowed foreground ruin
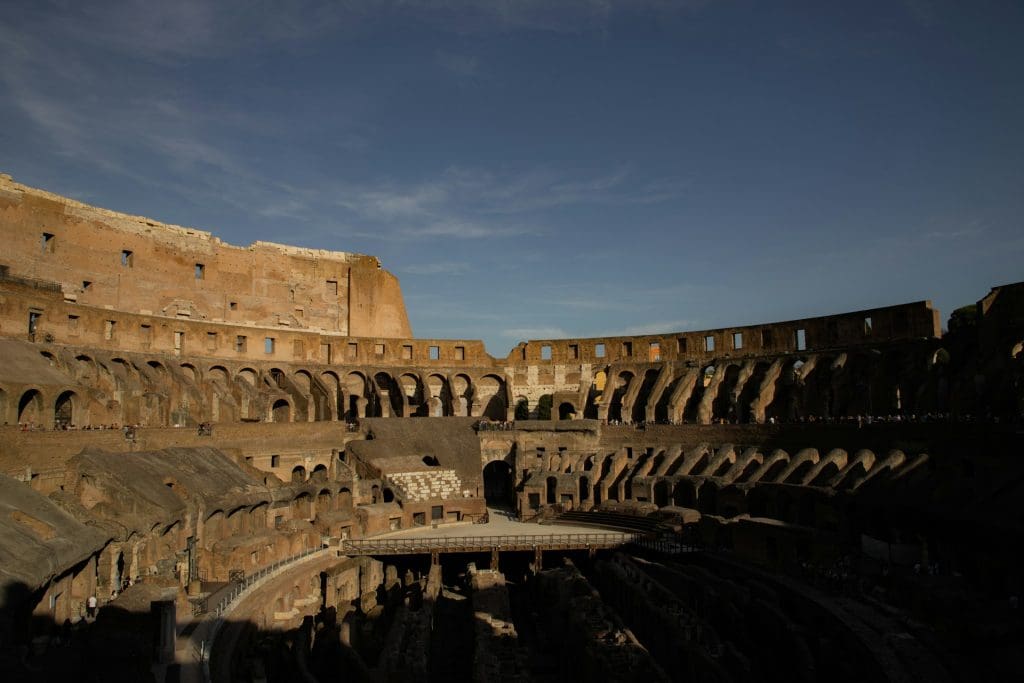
(198, 437)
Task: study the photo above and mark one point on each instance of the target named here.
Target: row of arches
(165, 392)
(871, 382)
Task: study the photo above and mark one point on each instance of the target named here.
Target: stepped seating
(609, 520)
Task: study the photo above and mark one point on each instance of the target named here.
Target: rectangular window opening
(654, 351)
(436, 513)
(709, 343)
(211, 341)
(200, 271)
(627, 349)
(72, 324)
(435, 353)
(275, 461)
(86, 284)
(574, 351)
(766, 339)
(353, 350)
(240, 343)
(332, 287)
(460, 353)
(737, 340)
(406, 351)
(681, 345)
(867, 326)
(801, 339)
(545, 352)
(378, 349)
(46, 243)
(268, 345)
(599, 350)
(179, 341)
(108, 329)
(232, 305)
(127, 258)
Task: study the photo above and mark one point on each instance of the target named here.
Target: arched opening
(552, 490)
(412, 392)
(566, 411)
(389, 389)
(491, 394)
(622, 382)
(684, 495)
(661, 493)
(64, 410)
(30, 407)
(389, 495)
(498, 484)
(355, 390)
(430, 461)
(319, 473)
(298, 474)
(281, 411)
(707, 499)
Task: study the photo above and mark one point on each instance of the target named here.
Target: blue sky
(551, 168)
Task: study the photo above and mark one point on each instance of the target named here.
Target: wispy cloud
(438, 268)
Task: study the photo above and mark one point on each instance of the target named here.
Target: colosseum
(227, 463)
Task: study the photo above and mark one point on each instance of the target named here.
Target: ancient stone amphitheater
(238, 463)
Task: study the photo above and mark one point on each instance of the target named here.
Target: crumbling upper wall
(901, 322)
(134, 264)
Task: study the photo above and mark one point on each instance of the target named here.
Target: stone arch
(707, 498)
(490, 394)
(344, 498)
(622, 382)
(722, 406)
(566, 411)
(595, 395)
(247, 375)
(30, 406)
(648, 379)
(684, 494)
(389, 394)
(218, 373)
(462, 394)
(691, 409)
(298, 475)
(414, 399)
(357, 396)
(749, 393)
(302, 505)
(319, 473)
(332, 385)
(662, 493)
(323, 501)
(280, 411)
(189, 371)
(498, 483)
(66, 409)
(439, 400)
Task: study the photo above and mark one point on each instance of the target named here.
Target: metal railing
(411, 546)
(228, 600)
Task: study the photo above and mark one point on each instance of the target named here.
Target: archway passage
(498, 484)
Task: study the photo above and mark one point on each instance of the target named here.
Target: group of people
(489, 426)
